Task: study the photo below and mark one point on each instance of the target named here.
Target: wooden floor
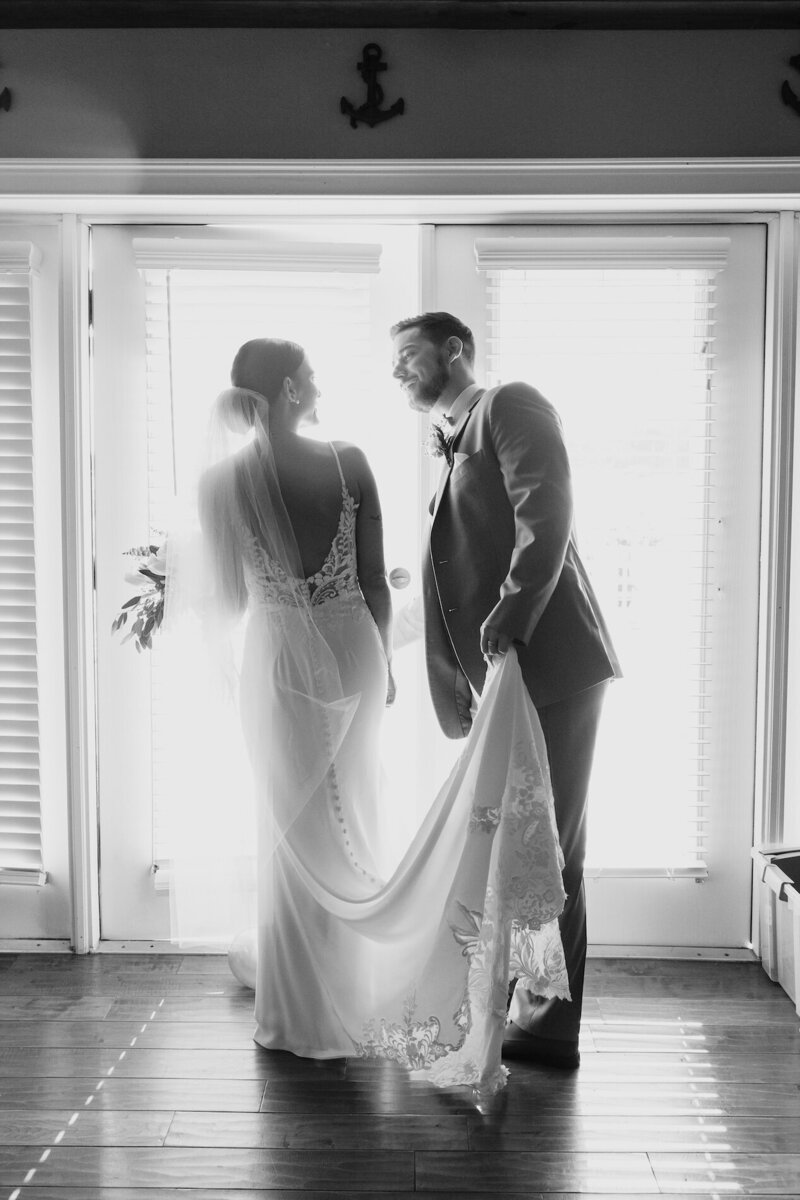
(135, 1078)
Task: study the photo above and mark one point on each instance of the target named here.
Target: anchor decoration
(788, 96)
(371, 112)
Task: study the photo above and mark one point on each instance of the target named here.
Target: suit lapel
(447, 469)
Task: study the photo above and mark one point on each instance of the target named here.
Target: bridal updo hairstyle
(260, 365)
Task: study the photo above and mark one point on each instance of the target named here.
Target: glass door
(649, 342)
(171, 307)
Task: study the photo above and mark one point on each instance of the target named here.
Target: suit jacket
(501, 549)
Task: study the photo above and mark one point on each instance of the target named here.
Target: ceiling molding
(398, 14)
(303, 190)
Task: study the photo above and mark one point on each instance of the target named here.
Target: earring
(294, 399)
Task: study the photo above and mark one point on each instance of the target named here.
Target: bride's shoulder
(350, 453)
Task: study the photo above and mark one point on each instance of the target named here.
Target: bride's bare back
(312, 493)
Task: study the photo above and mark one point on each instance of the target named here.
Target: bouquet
(146, 608)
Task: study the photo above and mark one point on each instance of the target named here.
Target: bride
(291, 597)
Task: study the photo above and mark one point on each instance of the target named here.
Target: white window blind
(625, 350)
(21, 857)
(196, 318)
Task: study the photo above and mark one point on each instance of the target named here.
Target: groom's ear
(455, 348)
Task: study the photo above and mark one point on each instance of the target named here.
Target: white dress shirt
(444, 415)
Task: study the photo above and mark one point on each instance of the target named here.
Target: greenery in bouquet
(145, 610)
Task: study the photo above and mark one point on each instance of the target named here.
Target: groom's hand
(493, 642)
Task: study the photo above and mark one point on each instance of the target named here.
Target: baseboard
(35, 946)
(685, 953)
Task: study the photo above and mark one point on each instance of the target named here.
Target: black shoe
(548, 1052)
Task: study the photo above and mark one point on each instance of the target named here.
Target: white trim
(148, 946)
(35, 946)
(107, 189)
(78, 588)
(610, 251)
(22, 877)
(22, 257)
(697, 871)
(778, 456)
(681, 953)
(203, 254)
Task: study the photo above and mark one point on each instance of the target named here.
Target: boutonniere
(440, 444)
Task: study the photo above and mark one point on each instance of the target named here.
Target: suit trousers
(570, 732)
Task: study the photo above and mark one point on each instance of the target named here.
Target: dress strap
(339, 465)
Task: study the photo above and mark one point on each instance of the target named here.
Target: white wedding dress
(414, 968)
(275, 686)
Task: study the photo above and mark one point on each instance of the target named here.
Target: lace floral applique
(412, 1043)
(484, 820)
(269, 583)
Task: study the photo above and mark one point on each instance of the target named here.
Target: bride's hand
(391, 690)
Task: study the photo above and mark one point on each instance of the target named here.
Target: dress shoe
(548, 1052)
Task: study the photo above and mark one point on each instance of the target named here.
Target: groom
(502, 568)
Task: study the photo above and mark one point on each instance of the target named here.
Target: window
(21, 857)
(648, 504)
(649, 341)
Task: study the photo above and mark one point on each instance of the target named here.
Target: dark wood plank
(22, 1127)
(617, 1174)
(672, 979)
(55, 1008)
(132, 1078)
(774, 1010)
(733, 1174)
(136, 1063)
(230, 1095)
(663, 1133)
(61, 1193)
(357, 1171)
(693, 1039)
(183, 1008)
(177, 1035)
(295, 1132)
(328, 1099)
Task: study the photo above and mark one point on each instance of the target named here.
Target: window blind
(196, 318)
(21, 859)
(625, 351)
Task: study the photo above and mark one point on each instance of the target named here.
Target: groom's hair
(437, 327)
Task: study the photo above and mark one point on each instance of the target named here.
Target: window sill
(697, 871)
(23, 876)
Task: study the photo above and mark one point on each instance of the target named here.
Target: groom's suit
(502, 552)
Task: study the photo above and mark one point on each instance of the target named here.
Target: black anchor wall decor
(5, 99)
(371, 112)
(788, 95)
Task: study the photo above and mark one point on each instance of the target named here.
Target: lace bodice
(269, 584)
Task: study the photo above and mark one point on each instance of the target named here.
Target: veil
(223, 840)
(270, 790)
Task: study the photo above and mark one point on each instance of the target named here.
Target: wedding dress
(413, 968)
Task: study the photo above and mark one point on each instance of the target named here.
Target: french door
(171, 307)
(649, 341)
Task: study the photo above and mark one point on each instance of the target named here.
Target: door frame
(85, 192)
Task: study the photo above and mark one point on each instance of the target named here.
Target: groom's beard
(424, 393)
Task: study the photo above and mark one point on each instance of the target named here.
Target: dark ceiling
(374, 14)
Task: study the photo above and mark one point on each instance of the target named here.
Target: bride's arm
(369, 548)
